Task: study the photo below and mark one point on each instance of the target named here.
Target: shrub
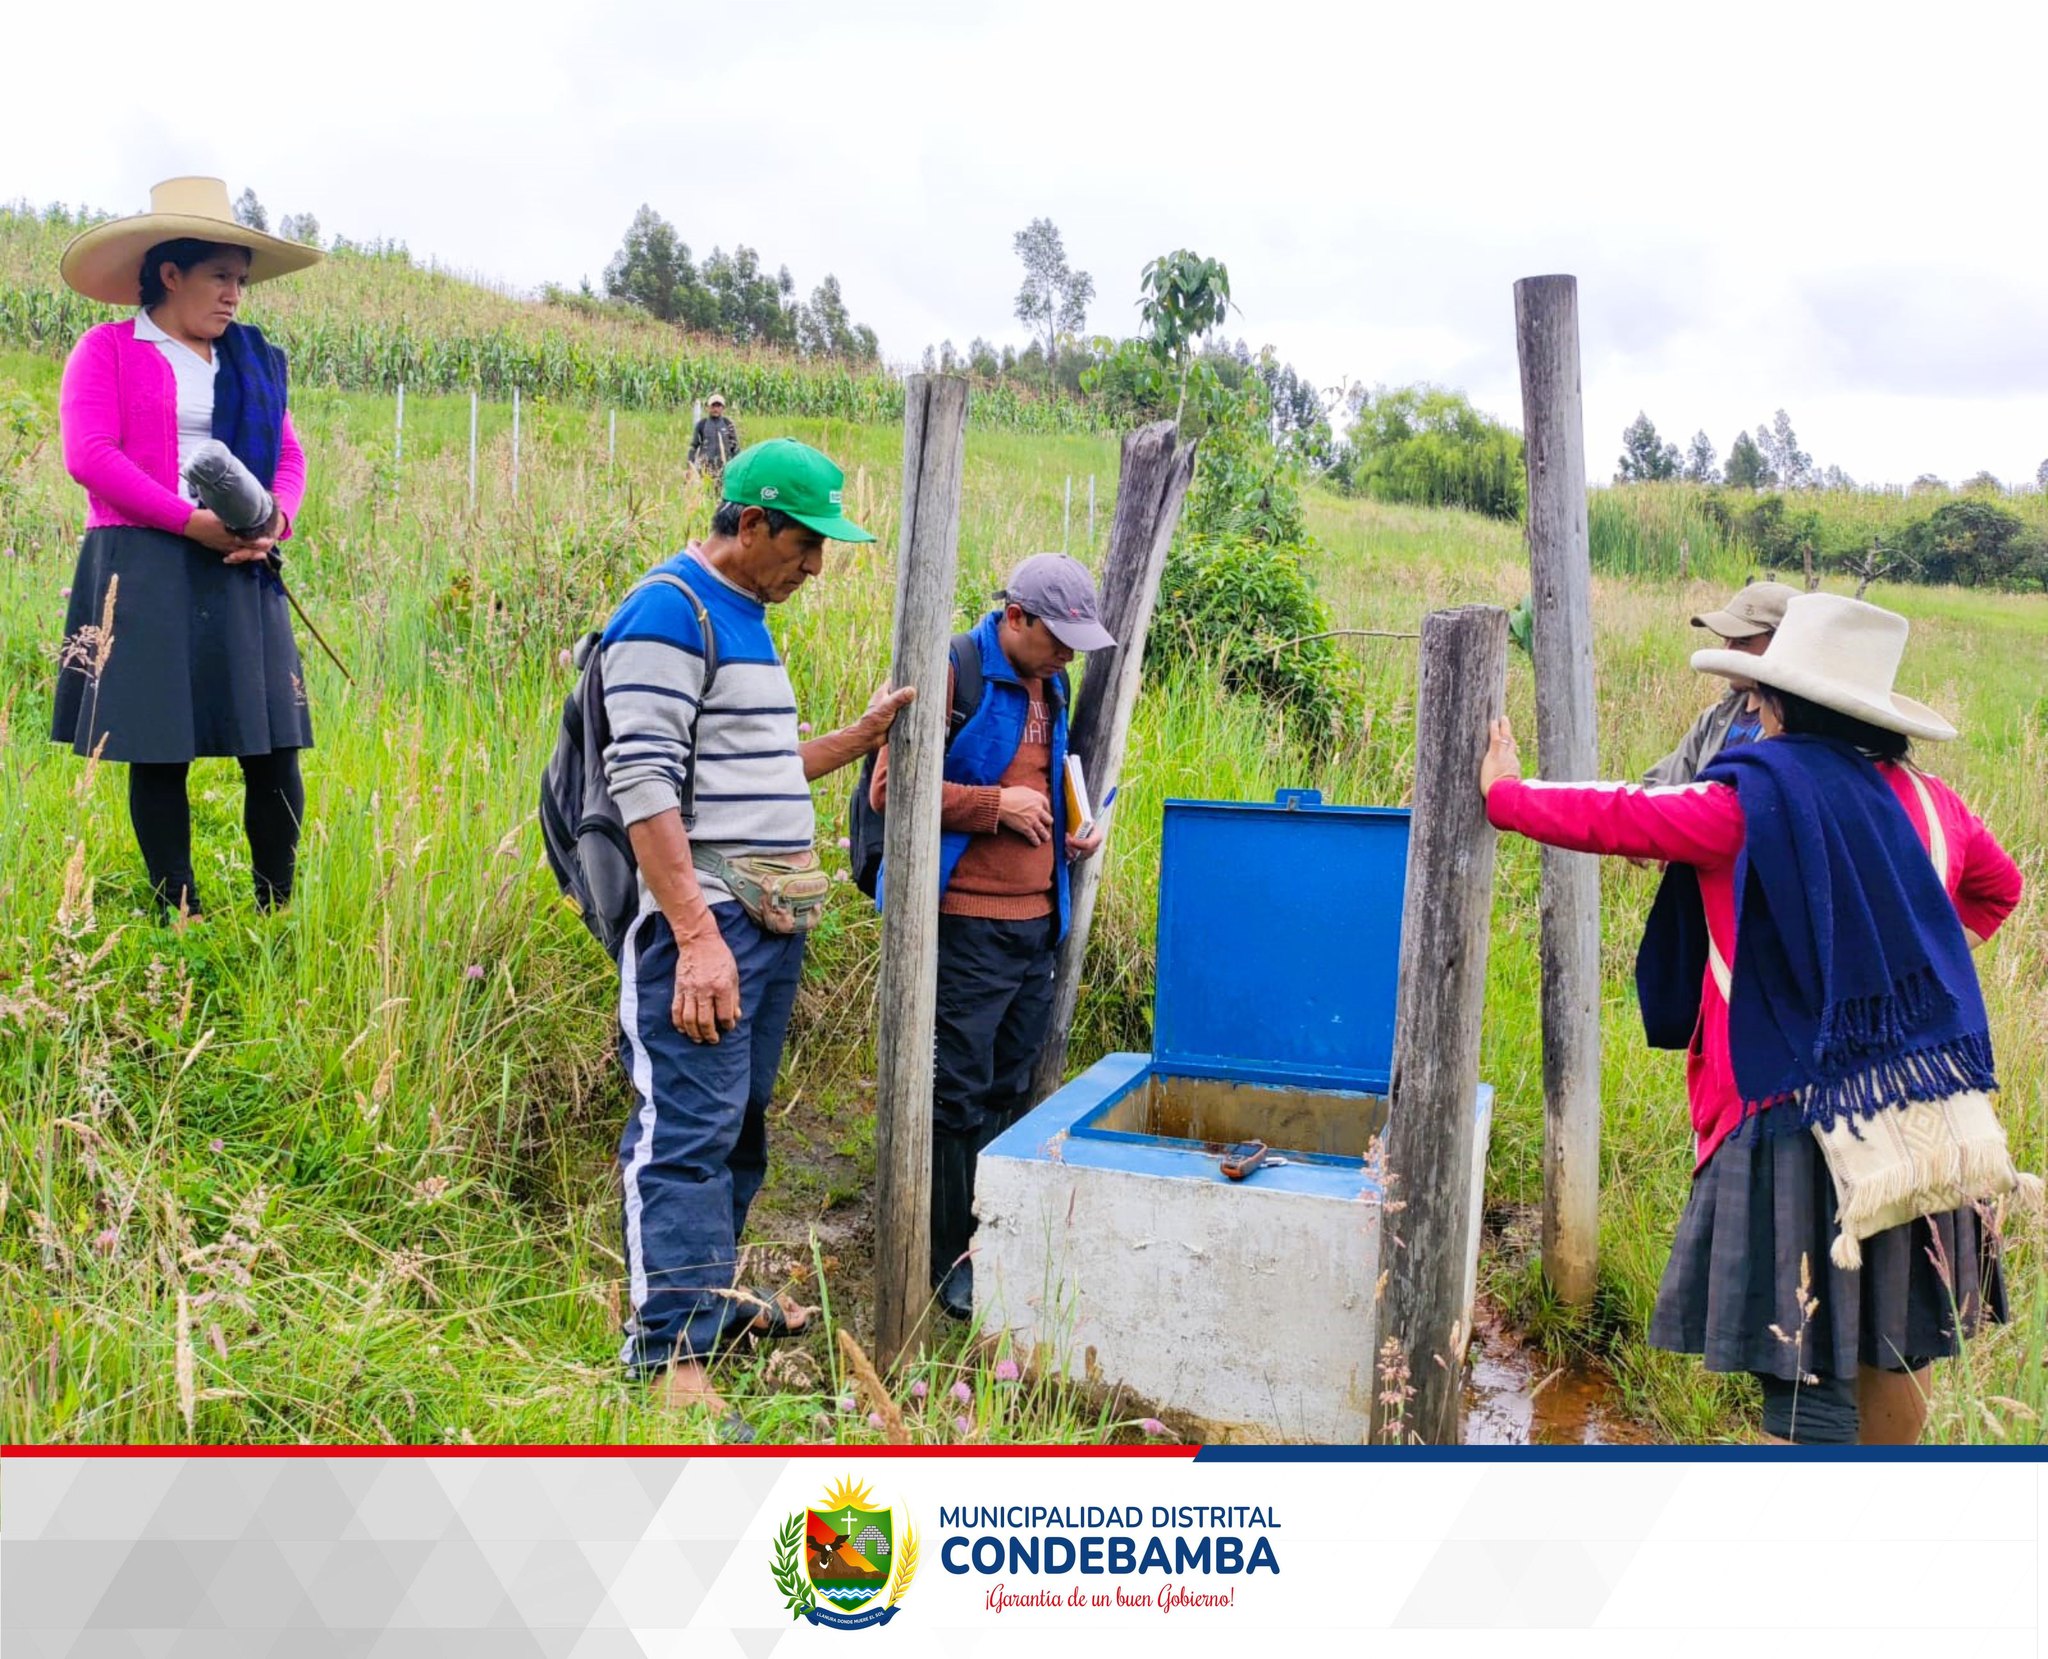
(1971, 541)
(1252, 608)
(1428, 445)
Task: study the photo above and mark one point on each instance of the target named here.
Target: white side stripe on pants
(643, 1148)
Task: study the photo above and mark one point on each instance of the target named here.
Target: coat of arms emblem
(845, 1561)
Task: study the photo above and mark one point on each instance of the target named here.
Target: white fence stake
(472, 452)
(398, 443)
(515, 443)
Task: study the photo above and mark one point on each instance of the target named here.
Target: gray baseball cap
(1757, 609)
(1061, 594)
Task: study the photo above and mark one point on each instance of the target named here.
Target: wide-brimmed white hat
(1840, 653)
(105, 262)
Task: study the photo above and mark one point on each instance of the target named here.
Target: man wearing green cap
(708, 971)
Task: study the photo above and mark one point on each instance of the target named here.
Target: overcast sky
(1834, 209)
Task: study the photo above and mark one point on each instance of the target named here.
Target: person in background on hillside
(1746, 624)
(708, 971)
(1841, 1065)
(714, 440)
(178, 639)
(1004, 848)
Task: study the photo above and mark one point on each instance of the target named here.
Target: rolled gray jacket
(228, 489)
(1706, 739)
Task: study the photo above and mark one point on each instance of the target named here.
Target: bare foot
(686, 1386)
(796, 1318)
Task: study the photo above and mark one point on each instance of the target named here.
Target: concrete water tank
(1111, 1245)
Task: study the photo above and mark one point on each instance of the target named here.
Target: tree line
(732, 296)
(1770, 460)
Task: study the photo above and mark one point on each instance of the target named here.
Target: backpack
(580, 826)
(864, 825)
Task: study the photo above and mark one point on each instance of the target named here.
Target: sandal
(770, 1321)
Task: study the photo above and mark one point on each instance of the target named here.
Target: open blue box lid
(1279, 941)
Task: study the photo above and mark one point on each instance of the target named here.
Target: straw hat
(1840, 653)
(105, 262)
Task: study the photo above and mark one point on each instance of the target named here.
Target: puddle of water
(1512, 1398)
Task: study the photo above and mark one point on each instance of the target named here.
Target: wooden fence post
(927, 560)
(1561, 578)
(1150, 488)
(1431, 1126)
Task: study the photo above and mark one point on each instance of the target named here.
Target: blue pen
(1108, 801)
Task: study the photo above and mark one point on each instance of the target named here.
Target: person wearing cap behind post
(714, 440)
(708, 971)
(1005, 846)
(1846, 1151)
(197, 656)
(1746, 623)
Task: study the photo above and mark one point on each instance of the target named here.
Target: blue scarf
(249, 400)
(1853, 986)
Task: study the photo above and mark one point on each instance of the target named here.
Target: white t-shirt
(194, 375)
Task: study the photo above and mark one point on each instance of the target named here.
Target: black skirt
(201, 659)
(1762, 1209)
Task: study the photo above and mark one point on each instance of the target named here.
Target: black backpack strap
(967, 683)
(710, 638)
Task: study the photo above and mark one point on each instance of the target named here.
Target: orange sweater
(1000, 875)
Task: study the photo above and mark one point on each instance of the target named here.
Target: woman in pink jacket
(1840, 1062)
(178, 640)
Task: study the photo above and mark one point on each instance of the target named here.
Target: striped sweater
(751, 792)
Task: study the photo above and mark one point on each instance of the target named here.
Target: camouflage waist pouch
(780, 892)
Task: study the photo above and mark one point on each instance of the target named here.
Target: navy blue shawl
(249, 400)
(1853, 987)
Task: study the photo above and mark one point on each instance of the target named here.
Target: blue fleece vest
(982, 750)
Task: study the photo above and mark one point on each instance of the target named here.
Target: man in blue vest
(1005, 845)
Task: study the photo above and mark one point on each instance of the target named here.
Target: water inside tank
(1218, 1112)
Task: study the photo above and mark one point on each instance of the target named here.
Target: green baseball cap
(795, 479)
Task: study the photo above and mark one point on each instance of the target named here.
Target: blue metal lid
(1279, 940)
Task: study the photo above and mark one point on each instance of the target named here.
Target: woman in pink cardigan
(1835, 1241)
(178, 639)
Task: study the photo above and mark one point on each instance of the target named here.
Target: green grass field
(345, 1174)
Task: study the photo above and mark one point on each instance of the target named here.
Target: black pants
(994, 1002)
(273, 805)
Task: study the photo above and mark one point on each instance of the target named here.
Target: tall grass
(345, 1173)
(1672, 530)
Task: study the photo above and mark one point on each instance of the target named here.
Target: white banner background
(607, 1557)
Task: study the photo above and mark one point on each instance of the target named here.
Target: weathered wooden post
(1151, 486)
(1432, 1127)
(927, 558)
(1561, 576)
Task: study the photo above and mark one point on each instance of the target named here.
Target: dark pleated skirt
(1762, 1208)
(201, 661)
